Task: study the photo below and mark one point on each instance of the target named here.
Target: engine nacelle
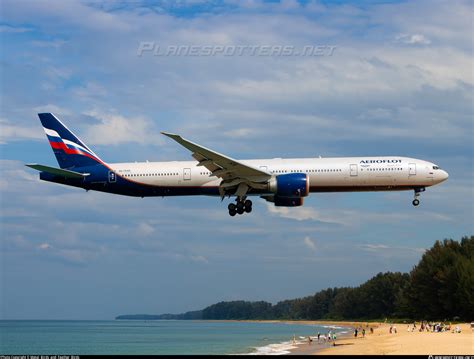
(288, 202)
(290, 185)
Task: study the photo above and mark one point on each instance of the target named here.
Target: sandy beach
(381, 342)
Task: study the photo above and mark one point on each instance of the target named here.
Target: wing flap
(57, 171)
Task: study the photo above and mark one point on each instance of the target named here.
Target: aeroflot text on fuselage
(283, 182)
(381, 161)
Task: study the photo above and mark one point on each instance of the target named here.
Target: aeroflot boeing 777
(284, 182)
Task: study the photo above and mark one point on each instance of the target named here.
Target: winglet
(171, 135)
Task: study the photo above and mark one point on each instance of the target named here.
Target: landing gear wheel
(232, 209)
(240, 210)
(240, 206)
(248, 203)
(416, 202)
(248, 209)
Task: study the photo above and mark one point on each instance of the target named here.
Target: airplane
(283, 182)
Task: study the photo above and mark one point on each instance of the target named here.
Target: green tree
(441, 285)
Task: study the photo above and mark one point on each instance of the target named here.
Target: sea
(158, 337)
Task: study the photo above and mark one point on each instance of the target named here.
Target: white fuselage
(325, 174)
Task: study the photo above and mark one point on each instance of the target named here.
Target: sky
(398, 81)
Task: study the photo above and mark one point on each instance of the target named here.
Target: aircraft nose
(444, 175)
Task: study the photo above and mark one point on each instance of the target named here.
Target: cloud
(114, 129)
(199, 259)
(14, 29)
(415, 39)
(302, 214)
(15, 177)
(251, 98)
(44, 246)
(55, 44)
(10, 132)
(309, 243)
(57, 110)
(239, 132)
(145, 229)
(390, 249)
(350, 218)
(76, 14)
(90, 91)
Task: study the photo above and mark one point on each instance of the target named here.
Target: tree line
(439, 287)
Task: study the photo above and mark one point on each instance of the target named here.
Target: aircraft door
(354, 170)
(186, 174)
(112, 177)
(412, 169)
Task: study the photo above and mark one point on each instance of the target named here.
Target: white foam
(276, 349)
(286, 347)
(333, 327)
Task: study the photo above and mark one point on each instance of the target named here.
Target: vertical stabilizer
(69, 150)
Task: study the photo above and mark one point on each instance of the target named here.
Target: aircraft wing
(231, 171)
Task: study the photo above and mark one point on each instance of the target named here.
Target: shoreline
(301, 346)
(382, 342)
(343, 331)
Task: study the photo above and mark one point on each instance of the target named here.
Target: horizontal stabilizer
(57, 171)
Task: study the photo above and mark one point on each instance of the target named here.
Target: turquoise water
(149, 337)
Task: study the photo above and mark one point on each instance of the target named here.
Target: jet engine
(290, 185)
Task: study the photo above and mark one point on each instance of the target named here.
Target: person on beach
(371, 330)
(309, 340)
(319, 334)
(363, 333)
(355, 333)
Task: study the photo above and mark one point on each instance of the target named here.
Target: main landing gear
(416, 201)
(240, 207)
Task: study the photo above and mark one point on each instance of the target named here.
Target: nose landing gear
(416, 201)
(242, 206)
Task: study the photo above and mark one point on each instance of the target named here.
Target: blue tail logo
(69, 150)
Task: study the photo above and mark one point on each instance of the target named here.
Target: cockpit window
(435, 167)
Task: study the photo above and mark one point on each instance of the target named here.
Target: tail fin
(69, 150)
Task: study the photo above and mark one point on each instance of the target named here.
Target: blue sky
(397, 84)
